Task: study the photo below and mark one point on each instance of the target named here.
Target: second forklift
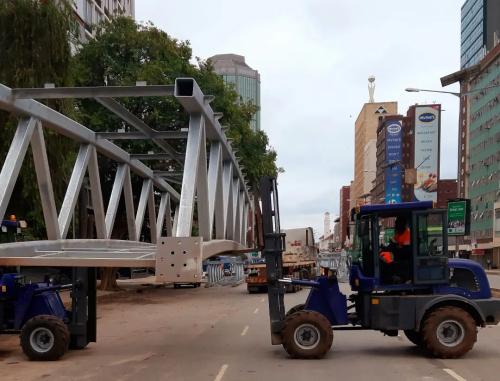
(438, 302)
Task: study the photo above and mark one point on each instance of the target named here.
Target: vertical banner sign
(427, 124)
(459, 217)
(393, 149)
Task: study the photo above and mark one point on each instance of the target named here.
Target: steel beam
(94, 92)
(236, 209)
(191, 170)
(227, 191)
(44, 181)
(241, 216)
(125, 115)
(129, 205)
(137, 135)
(14, 161)
(176, 220)
(164, 215)
(96, 193)
(73, 190)
(202, 200)
(152, 215)
(114, 199)
(77, 132)
(141, 208)
(245, 225)
(215, 195)
(156, 156)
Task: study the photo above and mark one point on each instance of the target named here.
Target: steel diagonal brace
(44, 180)
(74, 186)
(14, 161)
(114, 199)
(164, 213)
(138, 124)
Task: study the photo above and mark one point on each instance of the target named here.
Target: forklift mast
(274, 245)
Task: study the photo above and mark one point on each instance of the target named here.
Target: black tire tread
(296, 308)
(414, 336)
(429, 326)
(61, 337)
(312, 317)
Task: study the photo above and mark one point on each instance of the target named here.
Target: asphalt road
(222, 334)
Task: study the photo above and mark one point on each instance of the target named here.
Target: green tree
(35, 49)
(124, 52)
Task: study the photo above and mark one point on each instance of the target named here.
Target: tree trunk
(108, 279)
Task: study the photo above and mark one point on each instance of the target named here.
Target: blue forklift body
(30, 300)
(325, 297)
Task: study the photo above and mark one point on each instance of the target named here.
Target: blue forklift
(37, 312)
(438, 302)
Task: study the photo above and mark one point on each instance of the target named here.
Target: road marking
(245, 330)
(256, 311)
(222, 370)
(454, 375)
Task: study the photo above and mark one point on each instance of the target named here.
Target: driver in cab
(397, 249)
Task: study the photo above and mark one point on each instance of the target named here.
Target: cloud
(314, 58)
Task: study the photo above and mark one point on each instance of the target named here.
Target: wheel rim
(450, 333)
(42, 340)
(307, 336)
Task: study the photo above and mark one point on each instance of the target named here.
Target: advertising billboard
(427, 134)
(393, 157)
(458, 217)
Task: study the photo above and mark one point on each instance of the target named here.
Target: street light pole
(415, 90)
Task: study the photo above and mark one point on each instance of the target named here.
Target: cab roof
(394, 208)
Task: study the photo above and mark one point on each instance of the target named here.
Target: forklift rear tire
(297, 308)
(45, 338)
(414, 336)
(449, 332)
(307, 335)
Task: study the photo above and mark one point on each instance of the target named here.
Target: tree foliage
(35, 49)
(124, 52)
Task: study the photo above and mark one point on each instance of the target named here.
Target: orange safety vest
(403, 239)
(386, 257)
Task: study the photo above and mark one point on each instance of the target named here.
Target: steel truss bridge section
(210, 178)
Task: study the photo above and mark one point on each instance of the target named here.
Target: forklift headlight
(356, 282)
(4, 289)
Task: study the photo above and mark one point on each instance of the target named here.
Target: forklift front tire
(307, 335)
(45, 338)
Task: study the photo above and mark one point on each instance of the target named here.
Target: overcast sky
(314, 58)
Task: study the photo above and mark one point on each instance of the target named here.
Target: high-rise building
(246, 81)
(365, 149)
(91, 12)
(479, 152)
(480, 30)
(484, 155)
(345, 214)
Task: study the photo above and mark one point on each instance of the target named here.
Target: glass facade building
(480, 28)
(246, 81)
(484, 150)
(472, 32)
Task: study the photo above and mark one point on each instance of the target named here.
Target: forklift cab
(421, 264)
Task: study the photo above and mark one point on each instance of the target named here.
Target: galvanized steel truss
(213, 180)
